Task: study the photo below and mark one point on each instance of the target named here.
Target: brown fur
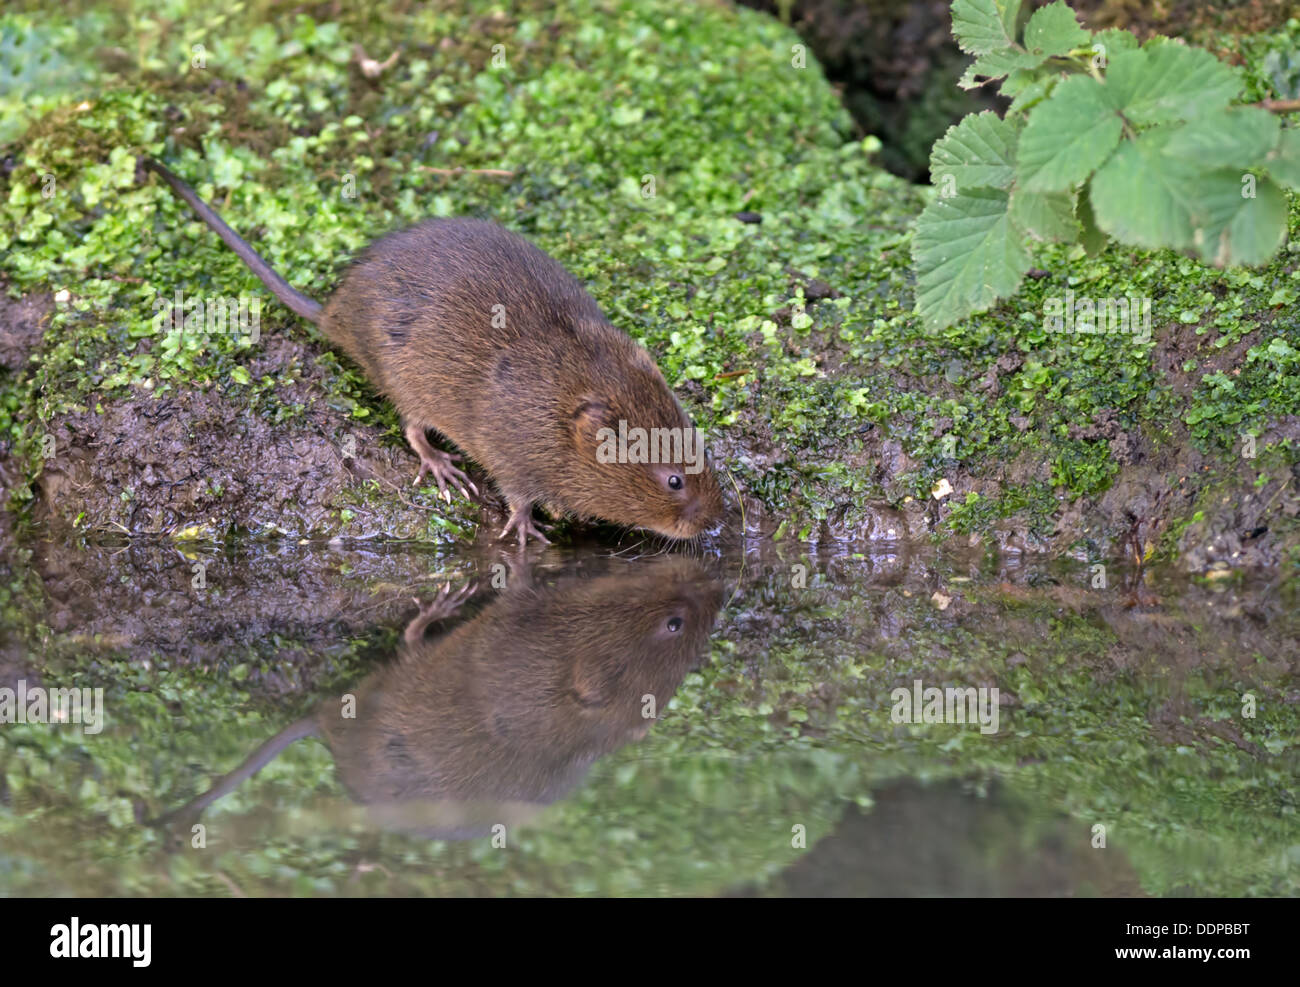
(506, 712)
(514, 705)
(525, 399)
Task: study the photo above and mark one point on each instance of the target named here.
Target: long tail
(251, 765)
(281, 288)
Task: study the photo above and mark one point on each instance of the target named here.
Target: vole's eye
(674, 624)
(674, 482)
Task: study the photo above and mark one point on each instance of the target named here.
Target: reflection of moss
(1119, 718)
(593, 98)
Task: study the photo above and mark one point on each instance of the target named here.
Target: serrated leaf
(981, 26)
(1237, 137)
(1284, 162)
(996, 64)
(1053, 30)
(1149, 198)
(1142, 197)
(1017, 81)
(978, 152)
(1067, 136)
(1032, 92)
(967, 255)
(1045, 215)
(1165, 82)
(1235, 229)
(1093, 239)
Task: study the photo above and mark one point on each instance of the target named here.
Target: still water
(315, 720)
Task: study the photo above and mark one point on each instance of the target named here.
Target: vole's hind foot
(522, 524)
(439, 465)
(445, 474)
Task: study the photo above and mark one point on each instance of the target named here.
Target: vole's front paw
(521, 524)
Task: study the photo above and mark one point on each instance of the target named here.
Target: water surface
(316, 720)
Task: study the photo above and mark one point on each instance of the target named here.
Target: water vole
(477, 334)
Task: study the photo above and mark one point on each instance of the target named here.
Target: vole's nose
(692, 514)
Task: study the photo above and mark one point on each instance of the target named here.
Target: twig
(371, 68)
(452, 172)
(1279, 105)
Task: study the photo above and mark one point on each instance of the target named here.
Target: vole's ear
(590, 418)
(589, 687)
(597, 680)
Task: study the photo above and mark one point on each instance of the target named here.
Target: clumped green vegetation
(629, 135)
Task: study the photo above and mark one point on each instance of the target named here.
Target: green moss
(633, 133)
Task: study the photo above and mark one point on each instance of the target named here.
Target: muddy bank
(23, 322)
(202, 464)
(1168, 497)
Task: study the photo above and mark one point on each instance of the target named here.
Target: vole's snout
(700, 514)
(701, 510)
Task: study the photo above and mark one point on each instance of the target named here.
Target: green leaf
(1053, 30)
(978, 152)
(996, 64)
(1239, 137)
(1284, 163)
(1114, 40)
(1093, 239)
(1147, 197)
(967, 255)
(1046, 216)
(1067, 136)
(1142, 197)
(1109, 43)
(1236, 229)
(1165, 82)
(981, 26)
(1032, 92)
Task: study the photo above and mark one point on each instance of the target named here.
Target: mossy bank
(624, 138)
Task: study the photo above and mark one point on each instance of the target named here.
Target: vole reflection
(505, 713)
